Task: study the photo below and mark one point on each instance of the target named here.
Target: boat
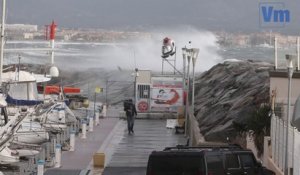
(56, 90)
(57, 117)
(31, 132)
(8, 156)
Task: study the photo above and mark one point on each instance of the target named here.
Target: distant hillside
(229, 92)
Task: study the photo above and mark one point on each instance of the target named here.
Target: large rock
(229, 92)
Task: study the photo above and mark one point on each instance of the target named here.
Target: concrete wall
(144, 76)
(194, 131)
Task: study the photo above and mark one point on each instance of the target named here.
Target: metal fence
(278, 140)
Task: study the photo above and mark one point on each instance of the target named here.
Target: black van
(205, 160)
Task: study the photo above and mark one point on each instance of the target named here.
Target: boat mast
(2, 39)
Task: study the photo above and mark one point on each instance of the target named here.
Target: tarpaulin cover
(17, 102)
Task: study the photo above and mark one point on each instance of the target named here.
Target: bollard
(48, 155)
(104, 111)
(58, 137)
(72, 140)
(83, 129)
(40, 168)
(91, 124)
(58, 156)
(97, 118)
(54, 145)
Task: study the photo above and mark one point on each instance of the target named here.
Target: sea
(78, 56)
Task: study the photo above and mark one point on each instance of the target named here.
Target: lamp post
(136, 74)
(289, 59)
(97, 91)
(195, 53)
(184, 81)
(187, 103)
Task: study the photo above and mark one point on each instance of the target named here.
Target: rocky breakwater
(229, 92)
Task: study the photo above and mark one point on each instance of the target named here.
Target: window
(247, 160)
(143, 91)
(176, 164)
(232, 161)
(214, 165)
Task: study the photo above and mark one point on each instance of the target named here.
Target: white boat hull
(31, 137)
(6, 156)
(31, 133)
(27, 152)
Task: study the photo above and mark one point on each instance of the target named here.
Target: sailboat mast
(2, 39)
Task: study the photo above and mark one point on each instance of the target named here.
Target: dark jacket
(130, 110)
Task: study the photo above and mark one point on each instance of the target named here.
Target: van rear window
(247, 160)
(232, 161)
(214, 165)
(175, 165)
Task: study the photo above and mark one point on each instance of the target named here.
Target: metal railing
(278, 139)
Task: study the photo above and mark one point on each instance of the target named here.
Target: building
(275, 155)
(158, 93)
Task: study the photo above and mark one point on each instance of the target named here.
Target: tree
(258, 126)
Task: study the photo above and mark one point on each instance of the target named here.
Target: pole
(91, 124)
(184, 79)
(19, 67)
(187, 95)
(275, 52)
(2, 39)
(97, 118)
(57, 156)
(162, 66)
(298, 54)
(135, 88)
(83, 129)
(290, 74)
(193, 86)
(40, 168)
(106, 91)
(72, 140)
(95, 103)
(175, 64)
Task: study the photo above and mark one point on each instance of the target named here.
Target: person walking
(130, 110)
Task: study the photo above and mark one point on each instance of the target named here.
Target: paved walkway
(131, 154)
(124, 154)
(86, 148)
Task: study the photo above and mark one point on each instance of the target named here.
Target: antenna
(134, 58)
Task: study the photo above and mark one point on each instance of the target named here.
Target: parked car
(205, 160)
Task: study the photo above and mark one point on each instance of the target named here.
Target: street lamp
(195, 53)
(184, 79)
(189, 53)
(289, 61)
(97, 91)
(135, 74)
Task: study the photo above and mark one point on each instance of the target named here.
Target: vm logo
(273, 14)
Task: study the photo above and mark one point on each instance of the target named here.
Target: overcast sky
(227, 15)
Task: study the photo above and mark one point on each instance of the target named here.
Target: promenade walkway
(124, 154)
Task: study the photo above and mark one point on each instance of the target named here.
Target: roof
(21, 76)
(282, 73)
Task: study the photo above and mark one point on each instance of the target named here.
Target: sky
(214, 15)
